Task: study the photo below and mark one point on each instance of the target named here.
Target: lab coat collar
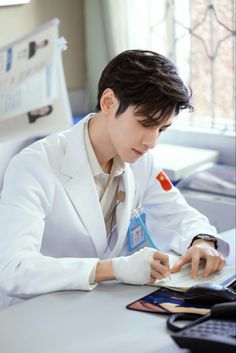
(82, 191)
(79, 184)
(75, 153)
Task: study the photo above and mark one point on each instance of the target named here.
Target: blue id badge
(136, 235)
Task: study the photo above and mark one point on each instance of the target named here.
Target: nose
(150, 138)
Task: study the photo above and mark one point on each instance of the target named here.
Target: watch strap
(206, 237)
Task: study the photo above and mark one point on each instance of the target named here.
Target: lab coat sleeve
(25, 202)
(170, 219)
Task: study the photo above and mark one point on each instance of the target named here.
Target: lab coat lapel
(81, 189)
(124, 209)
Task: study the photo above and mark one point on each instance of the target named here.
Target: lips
(138, 152)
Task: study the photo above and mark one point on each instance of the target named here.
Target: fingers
(160, 267)
(159, 271)
(195, 265)
(183, 260)
(214, 263)
(221, 264)
(161, 257)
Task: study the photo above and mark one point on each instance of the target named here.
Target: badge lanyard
(144, 228)
(137, 232)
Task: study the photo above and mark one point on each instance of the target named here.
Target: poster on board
(33, 94)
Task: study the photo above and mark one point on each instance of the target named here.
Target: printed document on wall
(33, 95)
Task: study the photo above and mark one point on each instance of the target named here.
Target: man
(75, 202)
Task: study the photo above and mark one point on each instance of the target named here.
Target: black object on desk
(216, 332)
(209, 293)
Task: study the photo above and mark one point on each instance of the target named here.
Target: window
(200, 37)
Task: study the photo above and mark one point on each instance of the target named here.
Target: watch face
(206, 237)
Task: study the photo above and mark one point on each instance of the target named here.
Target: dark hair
(149, 82)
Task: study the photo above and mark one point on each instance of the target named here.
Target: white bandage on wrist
(134, 269)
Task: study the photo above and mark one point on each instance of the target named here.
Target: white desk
(180, 161)
(86, 322)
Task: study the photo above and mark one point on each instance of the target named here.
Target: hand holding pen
(160, 267)
(142, 267)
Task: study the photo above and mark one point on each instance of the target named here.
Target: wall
(18, 20)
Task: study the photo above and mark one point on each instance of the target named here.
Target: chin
(132, 160)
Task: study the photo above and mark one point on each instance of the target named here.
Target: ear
(108, 101)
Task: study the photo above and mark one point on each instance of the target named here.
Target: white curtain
(112, 26)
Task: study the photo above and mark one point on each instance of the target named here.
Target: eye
(148, 124)
(164, 128)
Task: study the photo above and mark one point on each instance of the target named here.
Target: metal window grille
(200, 37)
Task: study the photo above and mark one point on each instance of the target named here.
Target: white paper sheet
(33, 94)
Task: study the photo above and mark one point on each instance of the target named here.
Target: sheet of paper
(182, 280)
(41, 88)
(33, 95)
(27, 55)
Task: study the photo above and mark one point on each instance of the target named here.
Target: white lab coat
(52, 230)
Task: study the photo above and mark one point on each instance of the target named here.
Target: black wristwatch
(206, 237)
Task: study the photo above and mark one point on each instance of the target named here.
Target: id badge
(136, 236)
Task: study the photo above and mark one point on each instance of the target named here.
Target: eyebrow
(150, 119)
(166, 126)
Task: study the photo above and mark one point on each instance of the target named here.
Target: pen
(146, 233)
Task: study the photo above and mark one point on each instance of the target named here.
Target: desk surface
(179, 161)
(76, 321)
(86, 322)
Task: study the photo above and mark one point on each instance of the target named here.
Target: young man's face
(130, 138)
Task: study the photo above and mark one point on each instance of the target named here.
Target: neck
(107, 167)
(101, 142)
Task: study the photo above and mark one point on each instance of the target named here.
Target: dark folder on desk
(167, 301)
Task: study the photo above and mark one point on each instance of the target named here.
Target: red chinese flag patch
(164, 181)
